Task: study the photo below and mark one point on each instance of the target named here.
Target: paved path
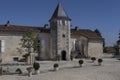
(110, 70)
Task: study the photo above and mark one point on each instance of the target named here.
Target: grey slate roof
(60, 13)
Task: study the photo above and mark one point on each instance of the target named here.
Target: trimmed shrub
(58, 57)
(71, 56)
(19, 71)
(29, 69)
(56, 66)
(81, 62)
(36, 66)
(100, 61)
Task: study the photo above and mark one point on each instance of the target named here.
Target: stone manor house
(58, 38)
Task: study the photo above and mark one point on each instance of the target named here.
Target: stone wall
(95, 48)
(11, 43)
(45, 39)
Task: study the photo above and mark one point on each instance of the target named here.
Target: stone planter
(56, 68)
(30, 74)
(37, 71)
(29, 69)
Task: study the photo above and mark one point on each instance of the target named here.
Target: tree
(30, 43)
(98, 32)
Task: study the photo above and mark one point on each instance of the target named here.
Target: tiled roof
(17, 28)
(87, 33)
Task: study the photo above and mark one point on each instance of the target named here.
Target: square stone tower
(60, 33)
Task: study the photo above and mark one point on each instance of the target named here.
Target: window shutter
(2, 45)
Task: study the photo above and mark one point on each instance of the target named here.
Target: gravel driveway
(70, 70)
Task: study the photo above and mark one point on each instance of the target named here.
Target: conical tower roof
(60, 13)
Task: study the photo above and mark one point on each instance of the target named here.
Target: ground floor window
(15, 59)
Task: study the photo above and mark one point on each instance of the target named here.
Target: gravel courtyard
(70, 70)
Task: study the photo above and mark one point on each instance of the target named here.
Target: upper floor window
(63, 35)
(62, 22)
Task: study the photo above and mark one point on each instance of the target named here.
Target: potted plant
(58, 57)
(100, 61)
(36, 67)
(29, 69)
(56, 66)
(81, 62)
(19, 71)
(93, 59)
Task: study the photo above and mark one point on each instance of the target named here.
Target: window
(15, 59)
(2, 46)
(63, 35)
(62, 22)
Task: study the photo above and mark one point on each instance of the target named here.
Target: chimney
(76, 28)
(8, 23)
(46, 26)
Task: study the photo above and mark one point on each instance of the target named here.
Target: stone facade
(11, 43)
(57, 40)
(95, 48)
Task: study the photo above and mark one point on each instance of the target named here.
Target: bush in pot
(71, 56)
(93, 59)
(56, 66)
(36, 67)
(29, 69)
(19, 71)
(100, 61)
(81, 62)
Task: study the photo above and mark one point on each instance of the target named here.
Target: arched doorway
(63, 55)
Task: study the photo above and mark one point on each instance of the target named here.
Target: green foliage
(55, 65)
(29, 41)
(36, 65)
(29, 69)
(71, 56)
(58, 57)
(98, 32)
(100, 60)
(81, 61)
(110, 49)
(4, 71)
(19, 71)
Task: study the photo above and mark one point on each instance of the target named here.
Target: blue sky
(87, 14)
